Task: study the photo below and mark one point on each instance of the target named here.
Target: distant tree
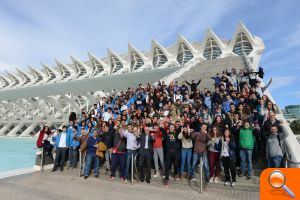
(295, 126)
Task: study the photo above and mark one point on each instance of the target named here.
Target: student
(275, 150)
(246, 143)
(74, 145)
(227, 147)
(107, 137)
(62, 142)
(118, 157)
(158, 153)
(214, 154)
(91, 156)
(145, 141)
(201, 140)
(172, 147)
(42, 141)
(186, 150)
(130, 134)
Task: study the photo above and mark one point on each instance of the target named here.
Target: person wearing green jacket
(246, 143)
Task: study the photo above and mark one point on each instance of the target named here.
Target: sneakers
(227, 183)
(156, 175)
(85, 177)
(249, 177)
(125, 181)
(233, 184)
(216, 179)
(96, 176)
(193, 179)
(54, 169)
(112, 178)
(211, 179)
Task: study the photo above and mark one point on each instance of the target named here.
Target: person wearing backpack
(275, 150)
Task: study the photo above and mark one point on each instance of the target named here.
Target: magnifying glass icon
(277, 180)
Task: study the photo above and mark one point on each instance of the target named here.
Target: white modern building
(34, 97)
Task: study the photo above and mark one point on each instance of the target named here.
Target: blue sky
(32, 31)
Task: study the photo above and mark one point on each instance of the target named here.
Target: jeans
(158, 154)
(196, 158)
(274, 161)
(107, 158)
(128, 161)
(89, 159)
(171, 157)
(214, 163)
(246, 159)
(118, 159)
(73, 154)
(60, 157)
(229, 166)
(186, 156)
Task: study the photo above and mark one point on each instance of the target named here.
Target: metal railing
(201, 176)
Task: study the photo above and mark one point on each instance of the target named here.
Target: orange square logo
(280, 183)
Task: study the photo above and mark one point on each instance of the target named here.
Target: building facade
(34, 97)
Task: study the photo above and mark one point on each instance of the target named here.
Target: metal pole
(201, 175)
(42, 158)
(132, 168)
(80, 163)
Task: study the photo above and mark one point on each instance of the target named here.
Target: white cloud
(281, 81)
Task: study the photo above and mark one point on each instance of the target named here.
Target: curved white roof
(179, 54)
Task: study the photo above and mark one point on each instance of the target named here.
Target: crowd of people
(172, 127)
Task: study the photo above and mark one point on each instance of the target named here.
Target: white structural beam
(185, 51)
(161, 58)
(37, 74)
(52, 75)
(81, 69)
(138, 61)
(14, 79)
(212, 46)
(100, 68)
(66, 72)
(26, 78)
(5, 82)
(117, 63)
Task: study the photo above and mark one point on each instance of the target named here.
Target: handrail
(201, 175)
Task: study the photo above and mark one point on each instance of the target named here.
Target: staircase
(207, 69)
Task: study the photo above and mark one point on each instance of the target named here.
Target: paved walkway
(67, 185)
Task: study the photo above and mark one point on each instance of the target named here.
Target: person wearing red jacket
(42, 141)
(157, 149)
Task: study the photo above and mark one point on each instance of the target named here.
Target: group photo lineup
(149, 100)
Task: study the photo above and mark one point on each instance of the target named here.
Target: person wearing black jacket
(193, 85)
(107, 138)
(146, 150)
(172, 146)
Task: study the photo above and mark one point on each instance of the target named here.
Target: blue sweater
(91, 141)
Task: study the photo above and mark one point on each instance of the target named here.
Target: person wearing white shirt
(62, 142)
(132, 146)
(107, 115)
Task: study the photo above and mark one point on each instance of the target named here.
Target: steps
(207, 69)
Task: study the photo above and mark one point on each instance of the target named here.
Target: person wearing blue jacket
(74, 145)
(91, 156)
(62, 142)
(227, 147)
